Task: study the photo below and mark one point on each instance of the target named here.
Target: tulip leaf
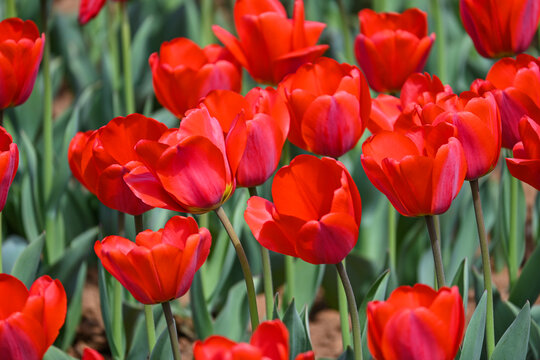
(298, 338)
(106, 293)
(29, 219)
(308, 278)
(461, 280)
(474, 337)
(12, 248)
(162, 349)
(513, 343)
(55, 353)
(202, 321)
(74, 311)
(27, 263)
(527, 286)
(535, 337)
(349, 354)
(139, 47)
(233, 319)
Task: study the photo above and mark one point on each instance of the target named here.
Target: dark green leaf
(474, 337)
(461, 280)
(74, 311)
(298, 339)
(527, 287)
(513, 343)
(233, 319)
(162, 349)
(202, 321)
(27, 263)
(55, 353)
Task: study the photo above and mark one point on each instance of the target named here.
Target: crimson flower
(526, 162)
(500, 28)
(21, 49)
(159, 266)
(91, 354)
(30, 320)
(89, 9)
(416, 323)
(392, 46)
(329, 105)
(183, 73)
(9, 162)
(315, 215)
(270, 341)
(267, 124)
(270, 45)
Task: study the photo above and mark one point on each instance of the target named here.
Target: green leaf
(527, 286)
(202, 321)
(27, 263)
(162, 349)
(298, 339)
(461, 280)
(29, 217)
(74, 311)
(139, 47)
(535, 338)
(347, 354)
(474, 337)
(308, 278)
(233, 319)
(513, 343)
(55, 353)
(377, 291)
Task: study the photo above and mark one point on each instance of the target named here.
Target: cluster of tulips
(423, 145)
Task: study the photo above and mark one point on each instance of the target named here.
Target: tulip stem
(148, 313)
(267, 273)
(171, 326)
(343, 313)
(513, 241)
(436, 248)
(126, 52)
(112, 31)
(252, 300)
(349, 56)
(117, 316)
(289, 279)
(392, 239)
(11, 11)
(440, 43)
(207, 13)
(353, 310)
(486, 264)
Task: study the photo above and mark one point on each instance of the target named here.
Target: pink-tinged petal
(257, 7)
(88, 9)
(232, 44)
(385, 111)
(235, 143)
(22, 338)
(289, 63)
(529, 130)
(178, 229)
(525, 170)
(449, 172)
(225, 106)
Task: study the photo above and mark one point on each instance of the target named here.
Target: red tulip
(21, 49)
(329, 105)
(416, 323)
(420, 171)
(160, 265)
(500, 28)
(267, 124)
(9, 162)
(392, 46)
(89, 9)
(270, 341)
(99, 159)
(191, 169)
(526, 162)
(515, 83)
(183, 73)
(270, 45)
(91, 354)
(30, 320)
(315, 215)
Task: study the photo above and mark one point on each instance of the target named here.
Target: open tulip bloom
(526, 162)
(9, 162)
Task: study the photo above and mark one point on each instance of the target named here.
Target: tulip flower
(270, 341)
(267, 124)
(315, 215)
(270, 45)
(416, 323)
(30, 320)
(515, 83)
(191, 169)
(159, 266)
(500, 28)
(183, 73)
(99, 159)
(89, 9)
(329, 105)
(21, 49)
(526, 162)
(420, 171)
(91, 354)
(392, 46)
(9, 162)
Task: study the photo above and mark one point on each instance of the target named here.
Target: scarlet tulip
(270, 45)
(160, 265)
(89, 9)
(183, 73)
(30, 320)
(420, 171)
(329, 105)
(515, 83)
(315, 215)
(91, 354)
(500, 28)
(99, 159)
(267, 124)
(270, 341)
(191, 169)
(392, 46)
(526, 162)
(9, 162)
(416, 323)
(21, 49)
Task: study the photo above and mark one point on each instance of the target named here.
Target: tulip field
(269, 179)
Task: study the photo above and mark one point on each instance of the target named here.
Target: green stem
(207, 12)
(392, 239)
(252, 300)
(126, 55)
(148, 313)
(513, 238)
(112, 31)
(11, 11)
(118, 294)
(48, 165)
(345, 28)
(171, 326)
(343, 314)
(379, 5)
(436, 249)
(486, 265)
(440, 42)
(267, 273)
(353, 310)
(289, 279)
